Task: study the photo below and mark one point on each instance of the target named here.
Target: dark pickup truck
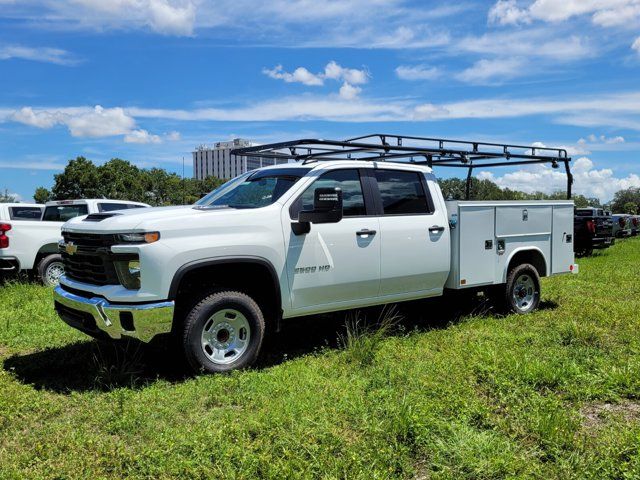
(592, 228)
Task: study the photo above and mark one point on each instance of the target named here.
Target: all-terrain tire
(224, 331)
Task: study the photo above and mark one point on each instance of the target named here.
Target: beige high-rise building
(217, 160)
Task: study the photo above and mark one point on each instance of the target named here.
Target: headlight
(128, 271)
(148, 237)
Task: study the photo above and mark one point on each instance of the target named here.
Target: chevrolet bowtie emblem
(70, 248)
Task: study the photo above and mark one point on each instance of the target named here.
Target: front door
(335, 263)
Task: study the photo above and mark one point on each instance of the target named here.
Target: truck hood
(142, 219)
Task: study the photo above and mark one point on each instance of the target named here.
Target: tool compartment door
(477, 245)
(562, 239)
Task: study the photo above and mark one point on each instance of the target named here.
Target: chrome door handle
(365, 232)
(436, 228)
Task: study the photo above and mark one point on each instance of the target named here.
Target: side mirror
(327, 208)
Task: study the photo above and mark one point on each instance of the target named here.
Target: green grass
(554, 394)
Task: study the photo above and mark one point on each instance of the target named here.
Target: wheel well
(45, 251)
(532, 257)
(255, 279)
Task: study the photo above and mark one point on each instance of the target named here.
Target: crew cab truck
(593, 229)
(298, 239)
(32, 245)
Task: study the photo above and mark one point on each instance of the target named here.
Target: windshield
(62, 213)
(254, 189)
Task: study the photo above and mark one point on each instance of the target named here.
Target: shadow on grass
(95, 366)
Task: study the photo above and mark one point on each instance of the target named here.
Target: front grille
(93, 261)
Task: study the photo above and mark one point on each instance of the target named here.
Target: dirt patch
(596, 415)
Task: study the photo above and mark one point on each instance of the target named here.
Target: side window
(110, 207)
(402, 193)
(352, 197)
(25, 213)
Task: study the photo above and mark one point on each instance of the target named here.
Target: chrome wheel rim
(53, 273)
(524, 292)
(225, 336)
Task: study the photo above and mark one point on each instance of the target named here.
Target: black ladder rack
(432, 152)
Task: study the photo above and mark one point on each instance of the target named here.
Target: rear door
(415, 247)
(335, 263)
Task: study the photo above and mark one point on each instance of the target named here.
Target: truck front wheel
(223, 332)
(522, 292)
(50, 269)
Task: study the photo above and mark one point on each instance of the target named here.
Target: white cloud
(41, 54)
(393, 24)
(100, 122)
(299, 75)
(496, 70)
(350, 77)
(348, 91)
(529, 43)
(507, 12)
(141, 136)
(605, 13)
(81, 121)
(609, 110)
(636, 45)
(167, 17)
(592, 138)
(417, 72)
(173, 136)
(39, 119)
(588, 181)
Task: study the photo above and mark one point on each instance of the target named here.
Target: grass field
(448, 393)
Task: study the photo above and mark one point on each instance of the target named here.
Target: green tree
(78, 180)
(121, 180)
(630, 208)
(6, 197)
(42, 195)
(623, 199)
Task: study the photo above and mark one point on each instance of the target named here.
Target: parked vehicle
(33, 245)
(635, 225)
(304, 238)
(14, 212)
(592, 228)
(621, 225)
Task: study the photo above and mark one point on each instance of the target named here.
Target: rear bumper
(101, 319)
(9, 264)
(602, 242)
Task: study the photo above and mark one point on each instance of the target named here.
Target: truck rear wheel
(522, 291)
(50, 269)
(223, 332)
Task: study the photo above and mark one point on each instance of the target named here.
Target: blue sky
(148, 80)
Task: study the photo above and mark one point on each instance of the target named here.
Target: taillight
(622, 222)
(591, 226)
(4, 240)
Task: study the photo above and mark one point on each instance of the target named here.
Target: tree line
(121, 180)
(624, 201)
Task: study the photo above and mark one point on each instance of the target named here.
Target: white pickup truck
(297, 239)
(32, 244)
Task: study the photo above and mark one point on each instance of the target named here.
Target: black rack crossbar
(411, 149)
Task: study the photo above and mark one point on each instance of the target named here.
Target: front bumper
(101, 319)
